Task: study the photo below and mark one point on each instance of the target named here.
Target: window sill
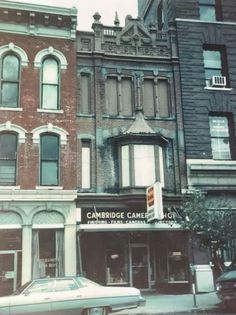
(218, 89)
(51, 111)
(9, 187)
(14, 109)
(49, 187)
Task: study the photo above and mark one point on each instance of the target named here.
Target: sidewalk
(164, 304)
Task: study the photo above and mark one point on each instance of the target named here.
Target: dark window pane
(49, 147)
(10, 68)
(49, 159)
(7, 172)
(9, 94)
(49, 173)
(8, 146)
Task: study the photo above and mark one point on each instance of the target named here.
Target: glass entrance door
(8, 271)
(140, 271)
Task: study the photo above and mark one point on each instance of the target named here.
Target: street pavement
(176, 304)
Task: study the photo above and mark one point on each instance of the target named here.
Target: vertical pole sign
(154, 203)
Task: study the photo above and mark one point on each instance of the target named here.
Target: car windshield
(84, 282)
(21, 289)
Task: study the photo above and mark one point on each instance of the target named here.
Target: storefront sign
(112, 216)
(154, 203)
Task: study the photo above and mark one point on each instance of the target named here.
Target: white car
(69, 295)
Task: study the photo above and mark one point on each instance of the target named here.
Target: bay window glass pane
(9, 94)
(125, 166)
(161, 166)
(86, 166)
(144, 165)
(49, 171)
(50, 97)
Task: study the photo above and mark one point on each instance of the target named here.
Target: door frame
(140, 245)
(15, 253)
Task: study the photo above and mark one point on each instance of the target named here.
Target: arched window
(8, 157)
(49, 160)
(50, 84)
(10, 76)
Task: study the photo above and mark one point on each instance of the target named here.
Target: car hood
(227, 276)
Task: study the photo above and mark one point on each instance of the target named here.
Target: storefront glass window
(177, 265)
(47, 253)
(173, 266)
(116, 267)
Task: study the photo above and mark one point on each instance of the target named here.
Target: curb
(189, 311)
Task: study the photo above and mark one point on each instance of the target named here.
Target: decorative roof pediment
(135, 31)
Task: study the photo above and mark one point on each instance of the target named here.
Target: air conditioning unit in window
(218, 81)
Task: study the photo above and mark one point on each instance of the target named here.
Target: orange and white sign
(154, 203)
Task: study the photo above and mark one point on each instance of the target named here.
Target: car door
(66, 299)
(36, 299)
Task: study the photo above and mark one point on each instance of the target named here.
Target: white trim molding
(50, 51)
(17, 50)
(49, 128)
(8, 126)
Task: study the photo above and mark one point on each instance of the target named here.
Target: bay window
(141, 165)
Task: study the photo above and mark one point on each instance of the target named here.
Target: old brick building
(37, 142)
(130, 135)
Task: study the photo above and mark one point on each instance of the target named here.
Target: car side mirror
(26, 293)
